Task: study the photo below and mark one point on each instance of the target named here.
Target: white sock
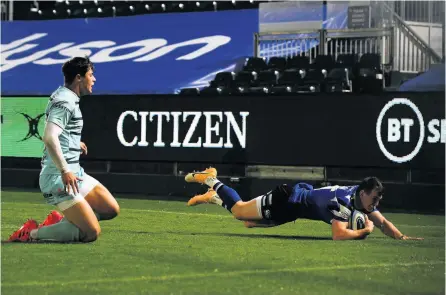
(211, 181)
(33, 234)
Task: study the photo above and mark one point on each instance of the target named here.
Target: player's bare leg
(222, 195)
(83, 217)
(79, 225)
(247, 211)
(102, 202)
(241, 210)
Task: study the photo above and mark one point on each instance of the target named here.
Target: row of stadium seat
(327, 62)
(64, 8)
(297, 74)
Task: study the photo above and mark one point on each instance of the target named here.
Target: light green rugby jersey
(63, 110)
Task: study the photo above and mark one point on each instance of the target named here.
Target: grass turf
(164, 247)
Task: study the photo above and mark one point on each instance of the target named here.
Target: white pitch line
(216, 215)
(212, 274)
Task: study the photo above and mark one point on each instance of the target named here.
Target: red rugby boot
(23, 233)
(52, 218)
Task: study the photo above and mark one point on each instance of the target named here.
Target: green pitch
(164, 247)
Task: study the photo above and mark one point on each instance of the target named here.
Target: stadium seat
(346, 60)
(255, 64)
(213, 91)
(264, 82)
(80, 9)
(298, 62)
(313, 81)
(267, 78)
(190, 91)
(288, 81)
(277, 63)
(339, 80)
(370, 60)
(243, 80)
(323, 63)
(370, 78)
(223, 79)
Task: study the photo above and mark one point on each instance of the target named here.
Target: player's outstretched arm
(388, 228)
(340, 231)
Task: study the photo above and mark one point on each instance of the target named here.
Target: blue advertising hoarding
(155, 53)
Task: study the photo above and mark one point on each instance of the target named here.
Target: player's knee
(91, 234)
(113, 211)
(238, 212)
(116, 210)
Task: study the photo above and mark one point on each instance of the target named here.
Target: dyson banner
(326, 130)
(142, 54)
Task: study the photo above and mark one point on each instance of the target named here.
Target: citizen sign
(214, 124)
(400, 130)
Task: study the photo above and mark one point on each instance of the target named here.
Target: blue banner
(156, 53)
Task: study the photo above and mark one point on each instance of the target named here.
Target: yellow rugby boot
(210, 197)
(200, 177)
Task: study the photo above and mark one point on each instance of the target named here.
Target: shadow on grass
(252, 236)
(6, 243)
(267, 236)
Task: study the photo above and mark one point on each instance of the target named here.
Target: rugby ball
(357, 220)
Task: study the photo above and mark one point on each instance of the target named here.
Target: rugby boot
(201, 176)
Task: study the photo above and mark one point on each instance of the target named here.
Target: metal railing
(400, 48)
(418, 11)
(7, 10)
(288, 44)
(334, 43)
(360, 42)
(412, 53)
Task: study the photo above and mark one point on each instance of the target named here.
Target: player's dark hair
(369, 184)
(75, 66)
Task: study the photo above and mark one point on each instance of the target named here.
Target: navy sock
(228, 195)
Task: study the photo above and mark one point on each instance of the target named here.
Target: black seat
(339, 80)
(347, 60)
(370, 60)
(215, 91)
(266, 78)
(312, 82)
(370, 77)
(277, 63)
(244, 78)
(264, 82)
(190, 91)
(223, 79)
(290, 78)
(298, 62)
(323, 63)
(288, 81)
(255, 64)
